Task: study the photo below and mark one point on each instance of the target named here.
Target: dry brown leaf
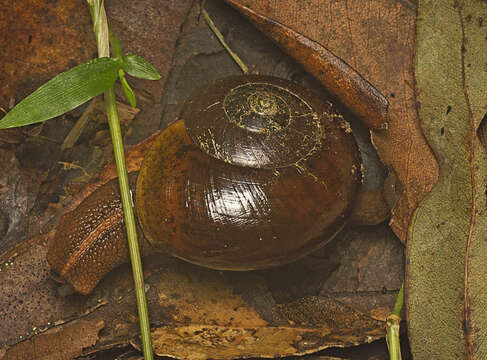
(220, 342)
(341, 81)
(63, 342)
(377, 40)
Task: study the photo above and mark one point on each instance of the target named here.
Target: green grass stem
(97, 11)
(393, 327)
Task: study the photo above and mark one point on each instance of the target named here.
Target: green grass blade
(64, 92)
(137, 67)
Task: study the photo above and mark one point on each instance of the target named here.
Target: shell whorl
(254, 121)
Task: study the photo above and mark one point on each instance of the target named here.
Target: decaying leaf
(222, 342)
(377, 40)
(63, 342)
(195, 312)
(447, 251)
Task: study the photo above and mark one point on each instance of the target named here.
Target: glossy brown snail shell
(257, 172)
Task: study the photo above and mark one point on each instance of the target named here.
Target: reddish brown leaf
(334, 74)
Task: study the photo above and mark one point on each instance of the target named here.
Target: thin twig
(69, 165)
(220, 37)
(80, 125)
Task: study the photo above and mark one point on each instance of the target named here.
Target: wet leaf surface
(447, 250)
(377, 40)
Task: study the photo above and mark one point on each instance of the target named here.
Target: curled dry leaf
(447, 251)
(225, 342)
(377, 40)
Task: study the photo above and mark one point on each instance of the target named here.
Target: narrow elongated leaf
(447, 247)
(136, 66)
(64, 92)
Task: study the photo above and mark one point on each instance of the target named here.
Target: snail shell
(257, 172)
